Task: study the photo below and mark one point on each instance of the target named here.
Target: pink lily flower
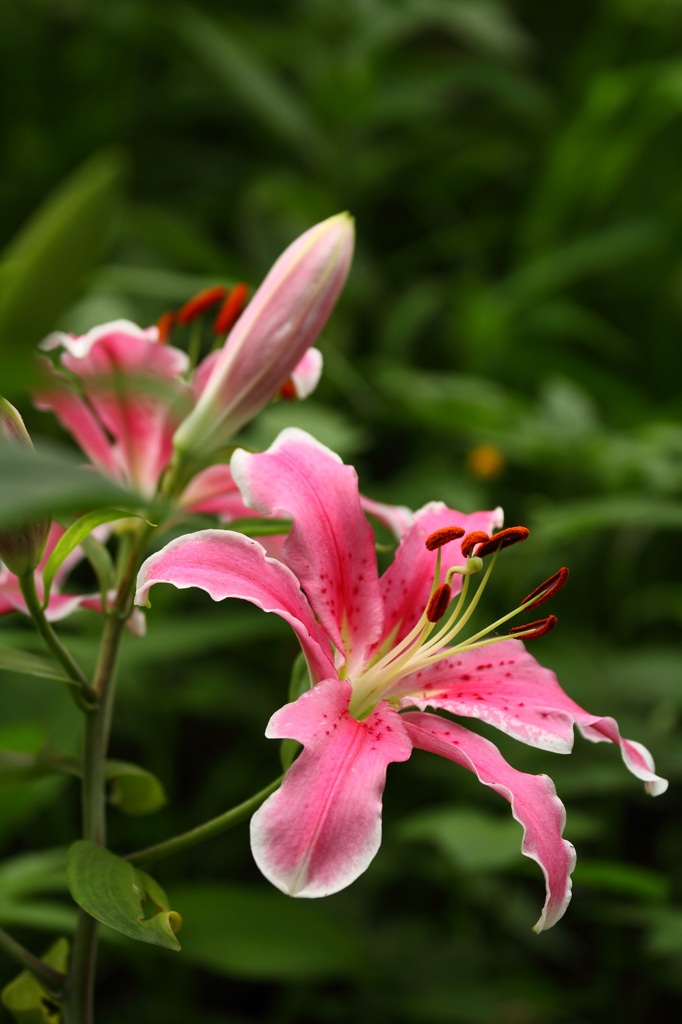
(126, 398)
(380, 650)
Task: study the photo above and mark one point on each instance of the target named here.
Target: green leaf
(51, 480)
(75, 534)
(13, 660)
(133, 789)
(25, 997)
(45, 265)
(117, 894)
(256, 932)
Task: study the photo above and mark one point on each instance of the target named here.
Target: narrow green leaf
(13, 660)
(117, 894)
(133, 789)
(75, 534)
(102, 564)
(45, 265)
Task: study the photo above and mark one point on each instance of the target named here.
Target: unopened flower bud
(21, 545)
(269, 339)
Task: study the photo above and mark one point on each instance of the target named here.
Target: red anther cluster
(438, 605)
(231, 309)
(537, 628)
(503, 539)
(200, 302)
(443, 536)
(471, 540)
(547, 589)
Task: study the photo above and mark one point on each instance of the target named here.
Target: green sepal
(299, 682)
(116, 894)
(26, 998)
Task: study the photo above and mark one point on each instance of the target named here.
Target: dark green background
(514, 171)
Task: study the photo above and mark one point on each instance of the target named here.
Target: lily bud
(271, 336)
(21, 546)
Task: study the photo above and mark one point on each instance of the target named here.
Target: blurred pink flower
(127, 398)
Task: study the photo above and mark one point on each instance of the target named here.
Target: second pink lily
(126, 398)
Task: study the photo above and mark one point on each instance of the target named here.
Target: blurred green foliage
(507, 336)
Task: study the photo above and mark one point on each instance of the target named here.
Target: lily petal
(331, 544)
(506, 687)
(322, 828)
(226, 564)
(533, 800)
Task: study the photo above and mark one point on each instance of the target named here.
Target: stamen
(438, 604)
(164, 325)
(200, 302)
(443, 536)
(547, 589)
(537, 628)
(287, 392)
(472, 539)
(503, 539)
(231, 309)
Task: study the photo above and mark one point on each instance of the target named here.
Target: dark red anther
(438, 605)
(472, 539)
(503, 539)
(537, 628)
(200, 302)
(443, 536)
(164, 325)
(231, 309)
(547, 589)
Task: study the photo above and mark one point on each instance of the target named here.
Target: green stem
(83, 693)
(213, 827)
(52, 979)
(80, 987)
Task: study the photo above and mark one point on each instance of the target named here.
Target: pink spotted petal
(506, 687)
(322, 828)
(406, 584)
(331, 544)
(533, 800)
(226, 564)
